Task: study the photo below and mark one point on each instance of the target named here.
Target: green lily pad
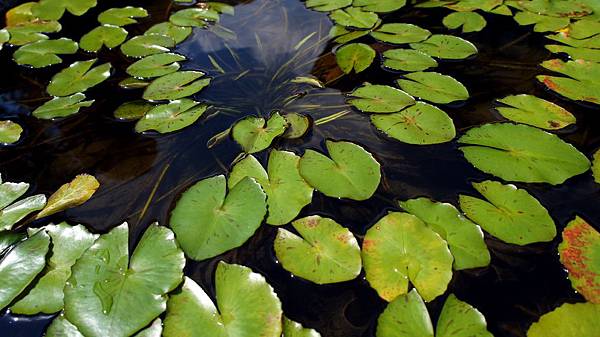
(583, 29)
(4, 37)
(596, 166)
(109, 294)
(55, 9)
(194, 17)
(255, 134)
(590, 42)
(379, 6)
(568, 320)
(208, 221)
(510, 214)
(342, 35)
(177, 33)
(145, 45)
(131, 83)
(542, 23)
(446, 47)
(400, 247)
(557, 8)
(531, 110)
(8, 240)
(10, 132)
(580, 254)
(154, 330)
(580, 70)
(105, 35)
(522, 153)
(355, 56)
(469, 21)
(327, 5)
(287, 192)
(400, 33)
(298, 125)
(78, 77)
(464, 238)
(155, 65)
(16, 212)
(460, 319)
(408, 60)
(176, 85)
(60, 327)
(420, 124)
(122, 16)
(434, 87)
(380, 99)
(45, 52)
(352, 172)
(582, 84)
(69, 195)
(133, 110)
(68, 244)
(20, 14)
(294, 329)
(32, 31)
(576, 53)
(10, 192)
(62, 106)
(246, 306)
(21, 265)
(354, 17)
(172, 116)
(325, 252)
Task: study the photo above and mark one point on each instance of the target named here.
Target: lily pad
(111, 294)
(464, 238)
(16, 212)
(379, 6)
(531, 110)
(400, 33)
(145, 45)
(69, 195)
(342, 35)
(294, 329)
(255, 134)
(105, 35)
(21, 265)
(10, 132)
(155, 65)
(400, 247)
(557, 8)
(408, 60)
(176, 85)
(580, 254)
(325, 252)
(45, 52)
(122, 16)
(355, 56)
(380, 99)
(576, 53)
(62, 106)
(46, 296)
(298, 125)
(208, 221)
(327, 5)
(596, 166)
(522, 153)
(55, 9)
(420, 124)
(469, 21)
(354, 17)
(4, 37)
(287, 192)
(446, 47)
(352, 172)
(246, 306)
(568, 320)
(133, 110)
(434, 87)
(542, 23)
(194, 17)
(78, 77)
(583, 83)
(460, 319)
(172, 116)
(32, 31)
(510, 214)
(60, 327)
(10, 192)
(8, 240)
(177, 33)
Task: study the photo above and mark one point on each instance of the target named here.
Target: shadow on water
(254, 56)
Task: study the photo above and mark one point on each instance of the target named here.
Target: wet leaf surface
(78, 77)
(434, 87)
(59, 107)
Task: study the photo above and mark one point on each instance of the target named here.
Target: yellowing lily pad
(72, 194)
(535, 111)
(568, 320)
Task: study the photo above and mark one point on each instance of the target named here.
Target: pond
(272, 59)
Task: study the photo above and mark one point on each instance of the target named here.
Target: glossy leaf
(45, 52)
(145, 45)
(355, 56)
(10, 192)
(522, 153)
(325, 252)
(10, 132)
(354, 17)
(209, 221)
(60, 327)
(105, 35)
(62, 106)
(408, 60)
(464, 238)
(78, 77)
(399, 248)
(327, 5)
(380, 6)
(155, 65)
(469, 21)
(176, 85)
(350, 171)
(568, 320)
(580, 254)
(172, 116)
(535, 111)
(122, 16)
(400, 33)
(446, 47)
(16, 212)
(255, 134)
(194, 17)
(110, 294)
(69, 195)
(177, 33)
(380, 99)
(434, 87)
(405, 316)
(420, 124)
(287, 192)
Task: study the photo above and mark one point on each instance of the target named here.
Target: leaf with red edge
(580, 254)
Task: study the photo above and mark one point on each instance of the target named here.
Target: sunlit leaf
(4, 37)
(20, 14)
(298, 125)
(78, 77)
(122, 16)
(354, 17)
(208, 221)
(460, 319)
(177, 33)
(60, 327)
(408, 60)
(105, 35)
(528, 109)
(469, 21)
(194, 17)
(172, 116)
(446, 47)
(558, 8)
(10, 132)
(355, 56)
(255, 134)
(45, 52)
(433, 87)
(294, 329)
(69, 195)
(405, 316)
(10, 192)
(596, 166)
(568, 320)
(54, 9)
(327, 5)
(380, 6)
(400, 33)
(155, 65)
(380, 99)
(576, 53)
(32, 31)
(16, 212)
(144, 45)
(583, 83)
(59, 107)
(176, 85)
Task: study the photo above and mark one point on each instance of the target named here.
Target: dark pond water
(142, 175)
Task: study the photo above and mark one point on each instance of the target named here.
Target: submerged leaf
(355, 56)
(62, 106)
(78, 77)
(176, 85)
(71, 195)
(325, 252)
(380, 99)
(255, 134)
(400, 33)
(45, 52)
(446, 47)
(172, 116)
(535, 111)
(10, 132)
(568, 320)
(434, 87)
(105, 35)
